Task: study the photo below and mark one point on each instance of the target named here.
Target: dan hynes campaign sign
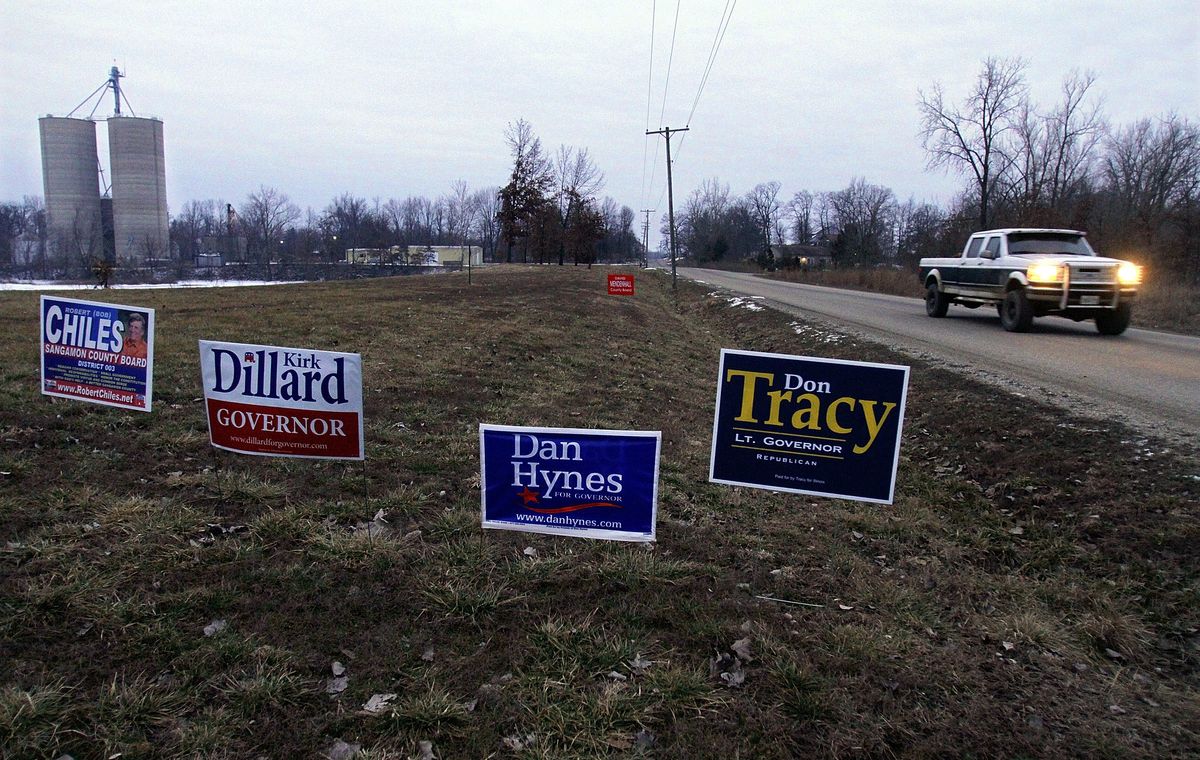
(570, 482)
(825, 427)
(276, 401)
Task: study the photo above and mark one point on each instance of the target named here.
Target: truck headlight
(1045, 271)
(1129, 274)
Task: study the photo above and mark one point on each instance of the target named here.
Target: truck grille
(1093, 274)
(1082, 294)
(1091, 287)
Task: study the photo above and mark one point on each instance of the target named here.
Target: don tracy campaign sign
(289, 402)
(97, 352)
(815, 426)
(570, 482)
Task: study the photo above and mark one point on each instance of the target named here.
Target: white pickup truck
(1029, 273)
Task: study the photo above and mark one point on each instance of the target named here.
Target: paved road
(1151, 379)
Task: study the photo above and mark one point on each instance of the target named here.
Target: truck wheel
(1114, 322)
(936, 303)
(1016, 315)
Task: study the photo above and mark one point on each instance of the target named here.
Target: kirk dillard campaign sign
(288, 402)
(815, 426)
(570, 482)
(98, 352)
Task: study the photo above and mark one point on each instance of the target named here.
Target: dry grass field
(1033, 592)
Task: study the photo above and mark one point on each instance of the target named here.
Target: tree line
(1135, 188)
(548, 211)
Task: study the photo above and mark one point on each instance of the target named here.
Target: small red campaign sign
(289, 402)
(620, 284)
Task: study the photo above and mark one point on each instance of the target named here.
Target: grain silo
(139, 188)
(71, 182)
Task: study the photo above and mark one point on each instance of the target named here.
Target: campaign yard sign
(620, 284)
(285, 402)
(98, 352)
(823, 427)
(570, 482)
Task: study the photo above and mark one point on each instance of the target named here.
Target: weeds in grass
(269, 684)
(635, 567)
(287, 526)
(357, 550)
(566, 646)
(209, 734)
(526, 572)
(853, 647)
(34, 721)
(228, 486)
(452, 524)
(471, 599)
(129, 713)
(431, 712)
(800, 691)
(1035, 627)
(1109, 627)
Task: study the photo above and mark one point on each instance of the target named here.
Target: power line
(666, 87)
(722, 27)
(670, 58)
(649, 96)
(718, 39)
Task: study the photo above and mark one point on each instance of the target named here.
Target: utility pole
(646, 237)
(666, 132)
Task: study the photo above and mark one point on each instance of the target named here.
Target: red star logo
(529, 496)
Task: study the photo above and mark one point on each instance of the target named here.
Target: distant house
(367, 255)
(231, 248)
(442, 255)
(417, 255)
(797, 256)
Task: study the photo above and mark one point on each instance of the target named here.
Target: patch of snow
(745, 303)
(52, 285)
(812, 331)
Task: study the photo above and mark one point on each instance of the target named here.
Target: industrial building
(126, 221)
(418, 255)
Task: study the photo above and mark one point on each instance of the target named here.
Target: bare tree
(1077, 127)
(968, 138)
(265, 215)
(347, 216)
(196, 220)
(800, 209)
(578, 179)
(763, 202)
(487, 201)
(1053, 153)
(917, 231)
(1152, 173)
(864, 215)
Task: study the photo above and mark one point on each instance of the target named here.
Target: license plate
(1089, 300)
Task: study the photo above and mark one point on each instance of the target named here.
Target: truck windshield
(1049, 243)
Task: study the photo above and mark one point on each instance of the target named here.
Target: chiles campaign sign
(98, 352)
(815, 426)
(275, 401)
(570, 482)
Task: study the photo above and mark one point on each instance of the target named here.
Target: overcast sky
(389, 99)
